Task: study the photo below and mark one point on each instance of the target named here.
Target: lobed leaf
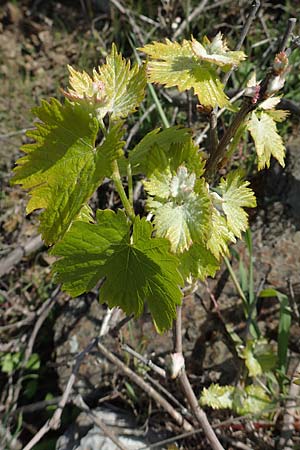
(174, 64)
(136, 268)
(221, 236)
(217, 397)
(198, 262)
(115, 88)
(235, 196)
(267, 141)
(155, 149)
(124, 86)
(217, 52)
(62, 168)
(182, 211)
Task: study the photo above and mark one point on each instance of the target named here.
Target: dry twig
(188, 391)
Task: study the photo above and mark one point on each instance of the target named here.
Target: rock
(84, 435)
(79, 322)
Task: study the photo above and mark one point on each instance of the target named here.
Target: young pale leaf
(115, 87)
(136, 268)
(183, 214)
(217, 397)
(152, 152)
(252, 400)
(251, 362)
(267, 141)
(174, 64)
(236, 195)
(217, 52)
(220, 236)
(62, 168)
(124, 86)
(198, 262)
(85, 90)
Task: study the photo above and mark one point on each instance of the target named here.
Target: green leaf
(181, 206)
(136, 268)
(198, 262)
(115, 88)
(153, 151)
(217, 52)
(220, 236)
(124, 86)
(62, 168)
(173, 64)
(236, 195)
(217, 397)
(267, 141)
(10, 362)
(285, 317)
(251, 362)
(33, 362)
(251, 400)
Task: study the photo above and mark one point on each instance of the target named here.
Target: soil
(36, 44)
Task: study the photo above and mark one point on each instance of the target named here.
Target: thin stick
(54, 422)
(42, 316)
(146, 387)
(194, 14)
(251, 16)
(99, 422)
(290, 27)
(13, 258)
(14, 133)
(189, 393)
(288, 426)
(137, 125)
(203, 133)
(161, 372)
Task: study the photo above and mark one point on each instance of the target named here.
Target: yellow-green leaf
(235, 196)
(63, 167)
(174, 64)
(267, 141)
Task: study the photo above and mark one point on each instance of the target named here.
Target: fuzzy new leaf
(124, 86)
(251, 400)
(136, 268)
(220, 236)
(174, 64)
(267, 141)
(217, 397)
(115, 88)
(181, 206)
(217, 52)
(235, 196)
(62, 168)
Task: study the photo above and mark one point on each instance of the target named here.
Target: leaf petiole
(120, 189)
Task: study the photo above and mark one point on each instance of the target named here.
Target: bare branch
(31, 246)
(194, 14)
(54, 422)
(189, 393)
(161, 372)
(146, 387)
(289, 29)
(251, 16)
